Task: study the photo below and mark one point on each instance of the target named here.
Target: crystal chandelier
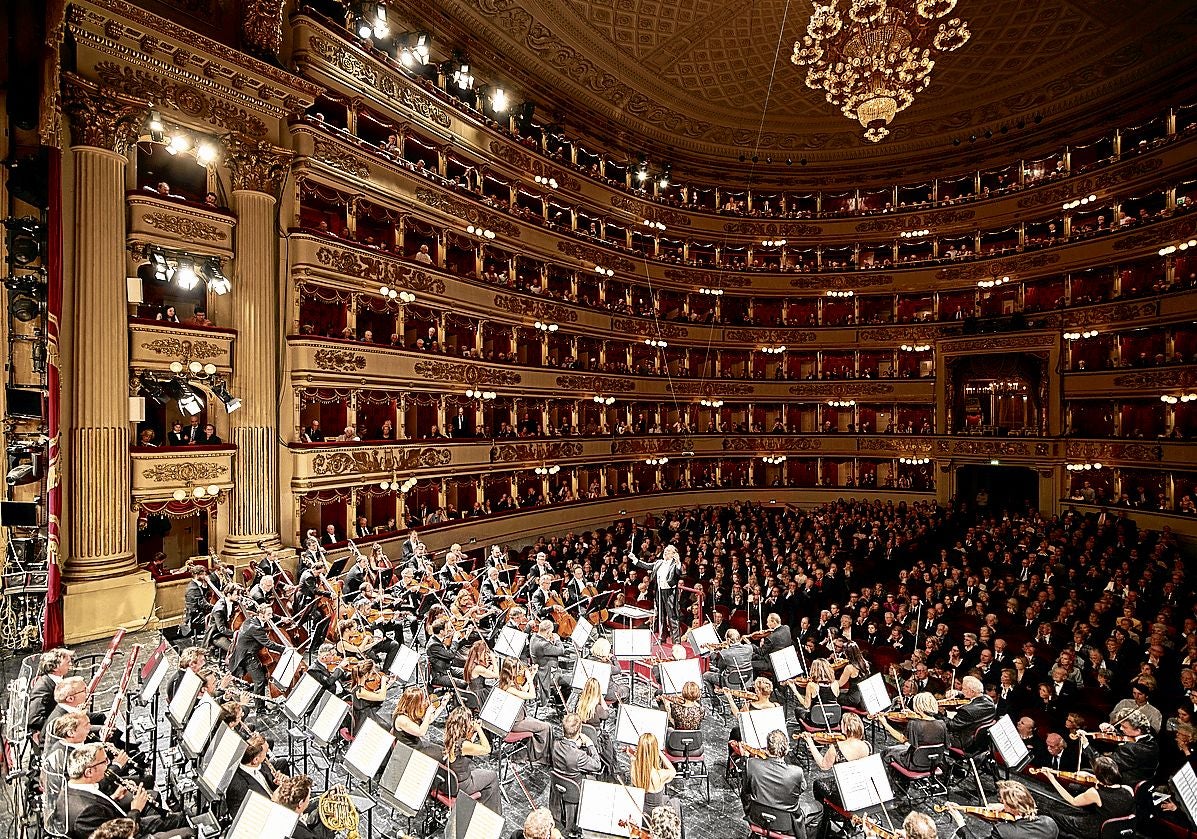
(872, 59)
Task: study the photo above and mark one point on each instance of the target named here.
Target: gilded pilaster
(100, 542)
(258, 169)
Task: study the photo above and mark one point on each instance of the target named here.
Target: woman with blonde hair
(592, 710)
(651, 772)
(464, 740)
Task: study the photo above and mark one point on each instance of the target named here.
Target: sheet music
(874, 693)
(199, 727)
(500, 710)
(634, 721)
(404, 664)
(511, 642)
(300, 700)
(1009, 745)
(284, 670)
(603, 806)
(476, 821)
(260, 817)
(158, 665)
(702, 638)
(581, 634)
(585, 668)
(407, 778)
(632, 643)
(369, 749)
(221, 761)
(329, 714)
(861, 781)
(785, 663)
(755, 726)
(675, 674)
(1184, 783)
(184, 698)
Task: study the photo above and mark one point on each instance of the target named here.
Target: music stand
(862, 783)
(299, 702)
(1009, 745)
(756, 726)
(337, 567)
(702, 638)
(634, 721)
(632, 613)
(633, 645)
(407, 778)
(785, 664)
(200, 725)
(180, 705)
(153, 672)
(369, 750)
(284, 671)
(602, 806)
(511, 642)
(326, 721)
(404, 664)
(470, 820)
(260, 817)
(1184, 784)
(874, 694)
(675, 674)
(219, 763)
(585, 668)
(499, 711)
(581, 634)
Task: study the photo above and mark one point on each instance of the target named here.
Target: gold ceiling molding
(141, 38)
(864, 279)
(893, 444)
(262, 27)
(992, 268)
(341, 361)
(710, 389)
(466, 374)
(908, 221)
(188, 228)
(1054, 194)
(854, 388)
(644, 326)
(467, 212)
(902, 333)
(379, 459)
(596, 384)
(1106, 452)
(997, 343)
(1164, 233)
(341, 159)
(773, 228)
(378, 270)
(101, 116)
(769, 336)
(587, 253)
(184, 98)
(710, 279)
(539, 309)
(652, 212)
(385, 81)
(184, 350)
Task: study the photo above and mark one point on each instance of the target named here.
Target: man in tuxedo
(296, 794)
(730, 667)
(251, 775)
(573, 754)
(979, 710)
(84, 806)
(444, 666)
(176, 437)
(665, 574)
(774, 784)
(53, 667)
(461, 426)
(195, 603)
(1064, 691)
(193, 659)
(546, 650)
(220, 620)
(1138, 757)
(194, 435)
(251, 640)
(329, 537)
(925, 682)
(779, 638)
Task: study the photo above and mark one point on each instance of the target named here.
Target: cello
(590, 593)
(565, 622)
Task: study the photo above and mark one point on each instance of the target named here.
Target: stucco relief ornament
(258, 165)
(100, 116)
(262, 27)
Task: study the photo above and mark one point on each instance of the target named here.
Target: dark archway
(1008, 487)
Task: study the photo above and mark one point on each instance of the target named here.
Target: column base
(242, 551)
(97, 608)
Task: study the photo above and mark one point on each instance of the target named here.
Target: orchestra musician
(480, 665)
(220, 619)
(328, 669)
(1107, 799)
(491, 586)
(760, 700)
(452, 571)
(1137, 753)
(313, 583)
(52, 667)
(546, 650)
(651, 772)
(85, 807)
(262, 592)
(592, 710)
(917, 825)
(779, 638)
(411, 545)
(822, 686)
(1025, 821)
(777, 786)
(442, 661)
(465, 739)
(731, 667)
(193, 659)
(195, 602)
(252, 639)
(515, 678)
(67, 733)
(539, 824)
(255, 774)
(413, 716)
(923, 729)
(970, 717)
(296, 795)
(574, 754)
(665, 573)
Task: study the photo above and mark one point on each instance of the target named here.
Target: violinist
(414, 714)
(546, 650)
(852, 747)
(574, 754)
(776, 785)
(822, 688)
(539, 825)
(464, 740)
(1018, 817)
(685, 712)
(516, 679)
(381, 564)
(1109, 798)
(779, 638)
(368, 690)
(593, 710)
(916, 825)
(480, 665)
(328, 669)
(374, 609)
(731, 667)
(923, 729)
(760, 699)
(1137, 752)
(651, 772)
(252, 639)
(467, 615)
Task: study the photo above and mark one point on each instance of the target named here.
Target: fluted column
(100, 542)
(258, 169)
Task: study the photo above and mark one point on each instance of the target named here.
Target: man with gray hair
(973, 715)
(1138, 755)
(772, 791)
(546, 649)
(665, 574)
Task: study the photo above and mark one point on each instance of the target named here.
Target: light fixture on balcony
(157, 129)
(835, 293)
(462, 77)
(606, 272)
(655, 225)
(188, 400)
(499, 104)
(221, 391)
(774, 243)
(205, 154)
(548, 470)
(389, 293)
(1082, 467)
(657, 344)
(914, 461)
(480, 232)
(551, 183)
(1168, 399)
(711, 403)
(1179, 246)
(185, 275)
(604, 400)
(774, 350)
(915, 234)
(1076, 336)
(841, 403)
(714, 292)
(915, 347)
(178, 143)
(657, 461)
(546, 327)
(395, 485)
(484, 395)
(993, 283)
(1079, 202)
(159, 265)
(217, 281)
(774, 459)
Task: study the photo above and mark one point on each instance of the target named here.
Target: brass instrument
(337, 811)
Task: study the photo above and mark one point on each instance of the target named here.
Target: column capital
(101, 116)
(257, 165)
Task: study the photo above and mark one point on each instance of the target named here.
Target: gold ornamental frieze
(1076, 450)
(992, 448)
(587, 253)
(906, 221)
(466, 374)
(769, 336)
(991, 268)
(341, 159)
(1081, 187)
(786, 229)
(711, 279)
(185, 227)
(185, 473)
(854, 388)
(597, 384)
(1165, 233)
(652, 212)
(1175, 377)
(650, 445)
(184, 349)
(646, 327)
(526, 452)
(340, 361)
(772, 444)
(1091, 316)
(902, 333)
(467, 212)
(535, 308)
(378, 270)
(710, 389)
(380, 459)
(864, 279)
(893, 444)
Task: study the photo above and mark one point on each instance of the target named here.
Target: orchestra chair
(927, 781)
(515, 743)
(565, 794)
(733, 770)
(823, 717)
(684, 749)
(1122, 827)
(770, 822)
(969, 762)
(441, 799)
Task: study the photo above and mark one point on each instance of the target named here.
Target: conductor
(666, 572)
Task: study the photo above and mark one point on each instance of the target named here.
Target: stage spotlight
(185, 275)
(189, 401)
(153, 389)
(157, 129)
(25, 237)
(231, 403)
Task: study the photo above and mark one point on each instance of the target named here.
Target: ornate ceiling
(693, 76)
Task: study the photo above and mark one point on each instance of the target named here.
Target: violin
(824, 738)
(954, 702)
(1102, 736)
(672, 699)
(750, 751)
(904, 716)
(737, 694)
(868, 824)
(760, 633)
(635, 831)
(990, 814)
(1082, 778)
(375, 681)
